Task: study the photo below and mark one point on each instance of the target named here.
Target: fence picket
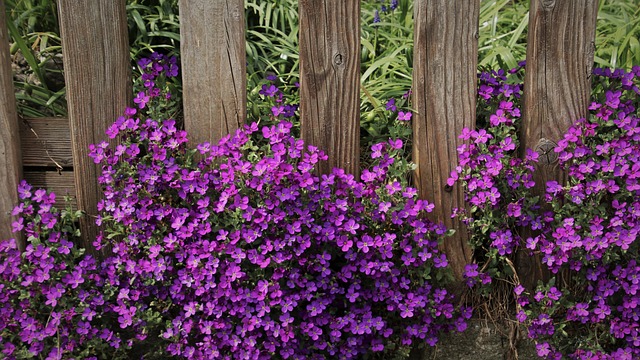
(10, 155)
(444, 99)
(212, 50)
(556, 90)
(330, 80)
(97, 73)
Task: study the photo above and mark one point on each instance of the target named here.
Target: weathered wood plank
(97, 73)
(444, 98)
(10, 157)
(213, 60)
(557, 88)
(46, 142)
(330, 80)
(62, 184)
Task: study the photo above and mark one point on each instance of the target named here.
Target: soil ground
(481, 341)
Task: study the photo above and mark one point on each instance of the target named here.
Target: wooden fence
(94, 34)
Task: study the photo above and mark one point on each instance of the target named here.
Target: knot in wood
(337, 59)
(235, 13)
(548, 4)
(544, 148)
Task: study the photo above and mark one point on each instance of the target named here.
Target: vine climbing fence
(97, 66)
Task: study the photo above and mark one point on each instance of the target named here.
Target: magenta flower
(141, 99)
(404, 116)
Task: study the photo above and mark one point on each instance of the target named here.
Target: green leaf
(26, 52)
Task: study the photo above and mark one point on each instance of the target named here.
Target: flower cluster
(592, 231)
(495, 179)
(280, 107)
(585, 233)
(49, 301)
(244, 249)
(157, 73)
(231, 250)
(391, 120)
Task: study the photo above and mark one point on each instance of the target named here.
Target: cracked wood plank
(330, 80)
(557, 89)
(444, 99)
(95, 47)
(213, 56)
(10, 156)
(46, 142)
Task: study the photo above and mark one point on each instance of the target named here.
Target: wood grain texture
(95, 47)
(557, 88)
(62, 184)
(213, 59)
(444, 98)
(46, 142)
(330, 80)
(10, 157)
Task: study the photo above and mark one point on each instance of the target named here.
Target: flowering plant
(587, 238)
(496, 180)
(50, 305)
(238, 247)
(242, 248)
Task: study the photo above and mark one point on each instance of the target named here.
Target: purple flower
(269, 91)
(391, 105)
(277, 110)
(376, 17)
(402, 116)
(141, 99)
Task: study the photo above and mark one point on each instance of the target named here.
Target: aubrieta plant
(50, 304)
(589, 308)
(273, 101)
(158, 75)
(237, 250)
(589, 239)
(241, 248)
(496, 180)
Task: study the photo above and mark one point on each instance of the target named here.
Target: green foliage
(153, 26)
(33, 15)
(33, 29)
(386, 65)
(617, 34)
(272, 45)
(502, 38)
(272, 39)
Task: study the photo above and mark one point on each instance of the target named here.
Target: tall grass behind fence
(561, 35)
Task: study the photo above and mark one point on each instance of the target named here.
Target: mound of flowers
(51, 306)
(584, 228)
(242, 248)
(234, 250)
(590, 237)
